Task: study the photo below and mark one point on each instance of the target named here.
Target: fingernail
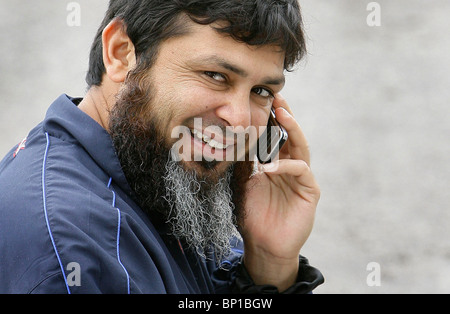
(286, 112)
(280, 97)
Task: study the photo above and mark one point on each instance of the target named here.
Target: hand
(280, 209)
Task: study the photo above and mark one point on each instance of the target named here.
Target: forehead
(203, 42)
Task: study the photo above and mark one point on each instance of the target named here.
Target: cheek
(178, 103)
(186, 104)
(260, 118)
(175, 107)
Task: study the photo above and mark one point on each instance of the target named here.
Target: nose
(235, 110)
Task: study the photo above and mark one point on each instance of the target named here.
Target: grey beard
(201, 213)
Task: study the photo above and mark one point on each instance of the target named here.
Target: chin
(210, 171)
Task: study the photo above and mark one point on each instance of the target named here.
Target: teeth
(215, 144)
(208, 140)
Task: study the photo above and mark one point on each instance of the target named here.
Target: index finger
(298, 147)
(280, 102)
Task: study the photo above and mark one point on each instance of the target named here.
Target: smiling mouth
(208, 141)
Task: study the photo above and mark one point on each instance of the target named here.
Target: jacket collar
(65, 121)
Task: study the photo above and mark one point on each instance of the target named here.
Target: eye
(263, 92)
(216, 76)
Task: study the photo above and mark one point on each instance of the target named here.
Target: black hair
(150, 22)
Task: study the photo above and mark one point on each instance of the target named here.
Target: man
(94, 200)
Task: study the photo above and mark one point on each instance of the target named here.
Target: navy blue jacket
(69, 225)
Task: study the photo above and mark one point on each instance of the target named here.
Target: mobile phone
(272, 140)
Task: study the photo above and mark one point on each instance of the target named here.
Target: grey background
(373, 101)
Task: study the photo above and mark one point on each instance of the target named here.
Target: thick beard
(201, 212)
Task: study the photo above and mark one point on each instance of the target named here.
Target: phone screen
(271, 141)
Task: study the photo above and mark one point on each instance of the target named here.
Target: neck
(97, 105)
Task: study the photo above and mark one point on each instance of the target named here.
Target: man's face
(202, 75)
(222, 83)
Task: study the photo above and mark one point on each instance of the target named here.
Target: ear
(119, 56)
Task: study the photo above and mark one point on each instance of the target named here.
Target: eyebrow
(281, 80)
